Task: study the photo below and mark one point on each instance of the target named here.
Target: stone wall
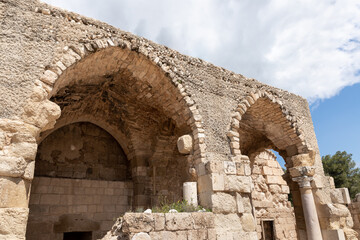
(82, 151)
(158, 226)
(270, 197)
(53, 199)
(354, 208)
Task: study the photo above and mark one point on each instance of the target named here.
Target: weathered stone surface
(178, 221)
(41, 114)
(13, 222)
(248, 222)
(227, 222)
(238, 183)
(229, 167)
(185, 144)
(135, 223)
(159, 221)
(13, 192)
(23, 149)
(223, 203)
(203, 220)
(12, 166)
(141, 236)
(303, 159)
(29, 171)
(218, 183)
(334, 210)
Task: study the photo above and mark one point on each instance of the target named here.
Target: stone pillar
(313, 230)
(190, 193)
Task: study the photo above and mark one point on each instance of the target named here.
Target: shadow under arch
(131, 97)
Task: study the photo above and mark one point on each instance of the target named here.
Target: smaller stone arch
(261, 122)
(280, 131)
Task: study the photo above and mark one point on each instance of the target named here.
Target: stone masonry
(95, 121)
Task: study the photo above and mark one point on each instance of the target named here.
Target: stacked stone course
(101, 201)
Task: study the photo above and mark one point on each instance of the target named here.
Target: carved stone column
(313, 230)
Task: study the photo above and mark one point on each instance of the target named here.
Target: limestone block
(239, 203)
(238, 183)
(41, 114)
(333, 234)
(159, 221)
(351, 234)
(12, 166)
(218, 183)
(322, 197)
(229, 167)
(162, 235)
(275, 180)
(2, 140)
(340, 195)
(223, 203)
(346, 195)
(214, 167)
(178, 221)
(185, 144)
(334, 210)
(302, 171)
(23, 149)
(18, 126)
(197, 234)
(13, 192)
(274, 188)
(29, 171)
(138, 222)
(245, 235)
(267, 170)
(318, 181)
(181, 235)
(13, 221)
(336, 196)
(285, 189)
(203, 220)
(49, 77)
(141, 236)
(227, 222)
(306, 159)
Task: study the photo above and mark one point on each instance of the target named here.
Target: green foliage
(180, 206)
(342, 168)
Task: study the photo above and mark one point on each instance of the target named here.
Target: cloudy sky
(311, 48)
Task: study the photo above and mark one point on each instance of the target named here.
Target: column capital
(303, 181)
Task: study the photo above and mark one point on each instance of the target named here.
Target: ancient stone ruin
(96, 123)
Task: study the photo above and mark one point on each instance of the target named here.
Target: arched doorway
(130, 98)
(262, 125)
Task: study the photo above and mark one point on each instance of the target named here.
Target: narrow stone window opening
(267, 230)
(77, 236)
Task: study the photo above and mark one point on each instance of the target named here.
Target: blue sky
(337, 123)
(311, 48)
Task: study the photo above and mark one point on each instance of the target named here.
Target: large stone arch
(161, 91)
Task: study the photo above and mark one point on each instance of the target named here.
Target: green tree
(342, 168)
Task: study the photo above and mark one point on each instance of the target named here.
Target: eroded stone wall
(270, 197)
(354, 208)
(82, 151)
(158, 226)
(94, 200)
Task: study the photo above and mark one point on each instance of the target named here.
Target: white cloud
(311, 48)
